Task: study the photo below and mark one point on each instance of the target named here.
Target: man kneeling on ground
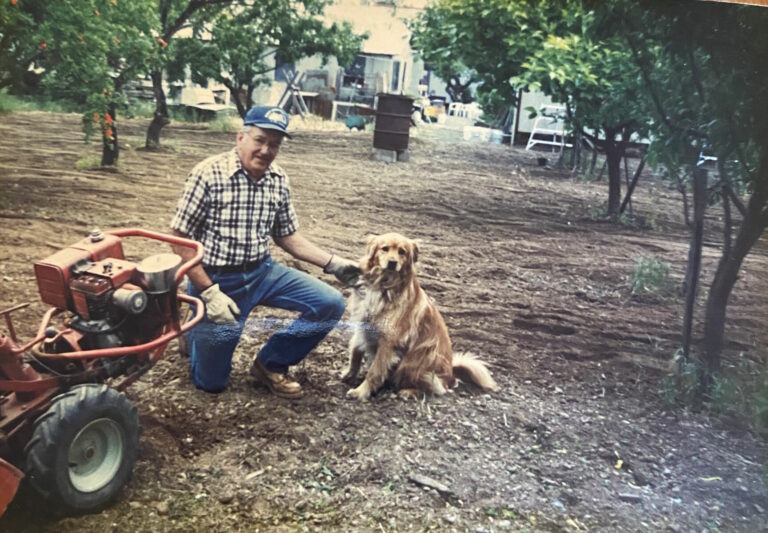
(233, 203)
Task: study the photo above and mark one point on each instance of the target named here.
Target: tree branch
(728, 222)
(632, 184)
(655, 96)
(182, 18)
(725, 178)
(695, 71)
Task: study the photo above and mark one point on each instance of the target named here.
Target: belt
(232, 269)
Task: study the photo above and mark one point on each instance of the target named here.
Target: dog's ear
(370, 253)
(415, 248)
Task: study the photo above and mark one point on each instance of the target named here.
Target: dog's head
(390, 255)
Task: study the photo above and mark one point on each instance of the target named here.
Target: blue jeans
(274, 285)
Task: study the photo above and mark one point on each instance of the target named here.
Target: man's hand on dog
(346, 271)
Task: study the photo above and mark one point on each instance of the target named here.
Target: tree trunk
(241, 109)
(160, 120)
(694, 255)
(109, 147)
(613, 155)
(632, 184)
(249, 97)
(752, 226)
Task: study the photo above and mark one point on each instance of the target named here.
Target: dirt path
(578, 438)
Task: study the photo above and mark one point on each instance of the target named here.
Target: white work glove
(346, 271)
(220, 308)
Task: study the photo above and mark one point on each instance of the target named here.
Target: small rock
(640, 478)
(162, 508)
(630, 498)
(428, 482)
(135, 505)
(226, 498)
(450, 518)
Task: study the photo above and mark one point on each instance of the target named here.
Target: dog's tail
(470, 369)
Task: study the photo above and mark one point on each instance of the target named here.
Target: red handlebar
(170, 239)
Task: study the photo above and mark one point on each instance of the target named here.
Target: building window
(281, 68)
(395, 76)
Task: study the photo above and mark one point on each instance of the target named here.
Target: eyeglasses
(260, 141)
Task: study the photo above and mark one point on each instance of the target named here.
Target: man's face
(257, 149)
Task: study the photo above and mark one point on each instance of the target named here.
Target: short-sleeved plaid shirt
(232, 215)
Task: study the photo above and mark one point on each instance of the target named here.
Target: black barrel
(393, 122)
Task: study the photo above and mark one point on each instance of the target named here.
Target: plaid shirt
(230, 214)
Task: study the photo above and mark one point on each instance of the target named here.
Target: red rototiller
(64, 422)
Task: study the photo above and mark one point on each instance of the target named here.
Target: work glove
(220, 308)
(346, 271)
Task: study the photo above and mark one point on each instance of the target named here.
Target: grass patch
(89, 162)
(651, 276)
(140, 109)
(10, 103)
(225, 124)
(739, 392)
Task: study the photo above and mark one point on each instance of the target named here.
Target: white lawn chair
(549, 128)
(456, 109)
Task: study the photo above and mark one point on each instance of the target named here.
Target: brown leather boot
(279, 384)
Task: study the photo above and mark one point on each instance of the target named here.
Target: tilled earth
(527, 277)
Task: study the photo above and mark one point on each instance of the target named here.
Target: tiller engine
(64, 422)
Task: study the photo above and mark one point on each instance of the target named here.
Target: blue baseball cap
(268, 118)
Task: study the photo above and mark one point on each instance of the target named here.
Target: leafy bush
(684, 385)
(739, 391)
(651, 275)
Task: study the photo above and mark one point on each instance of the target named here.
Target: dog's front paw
(408, 394)
(362, 393)
(348, 376)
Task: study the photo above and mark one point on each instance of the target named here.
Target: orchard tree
(601, 88)
(173, 15)
(235, 48)
(706, 77)
(435, 47)
(487, 41)
(91, 48)
(18, 48)
(549, 46)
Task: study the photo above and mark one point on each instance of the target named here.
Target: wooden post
(694, 255)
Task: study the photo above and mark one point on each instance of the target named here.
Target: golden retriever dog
(399, 329)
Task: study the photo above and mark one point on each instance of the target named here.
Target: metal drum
(393, 122)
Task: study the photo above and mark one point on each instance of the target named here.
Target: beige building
(385, 63)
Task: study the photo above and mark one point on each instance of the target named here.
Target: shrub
(651, 276)
(739, 392)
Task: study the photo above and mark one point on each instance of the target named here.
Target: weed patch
(651, 276)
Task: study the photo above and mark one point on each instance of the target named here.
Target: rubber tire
(47, 453)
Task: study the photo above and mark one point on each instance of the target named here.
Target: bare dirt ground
(578, 438)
